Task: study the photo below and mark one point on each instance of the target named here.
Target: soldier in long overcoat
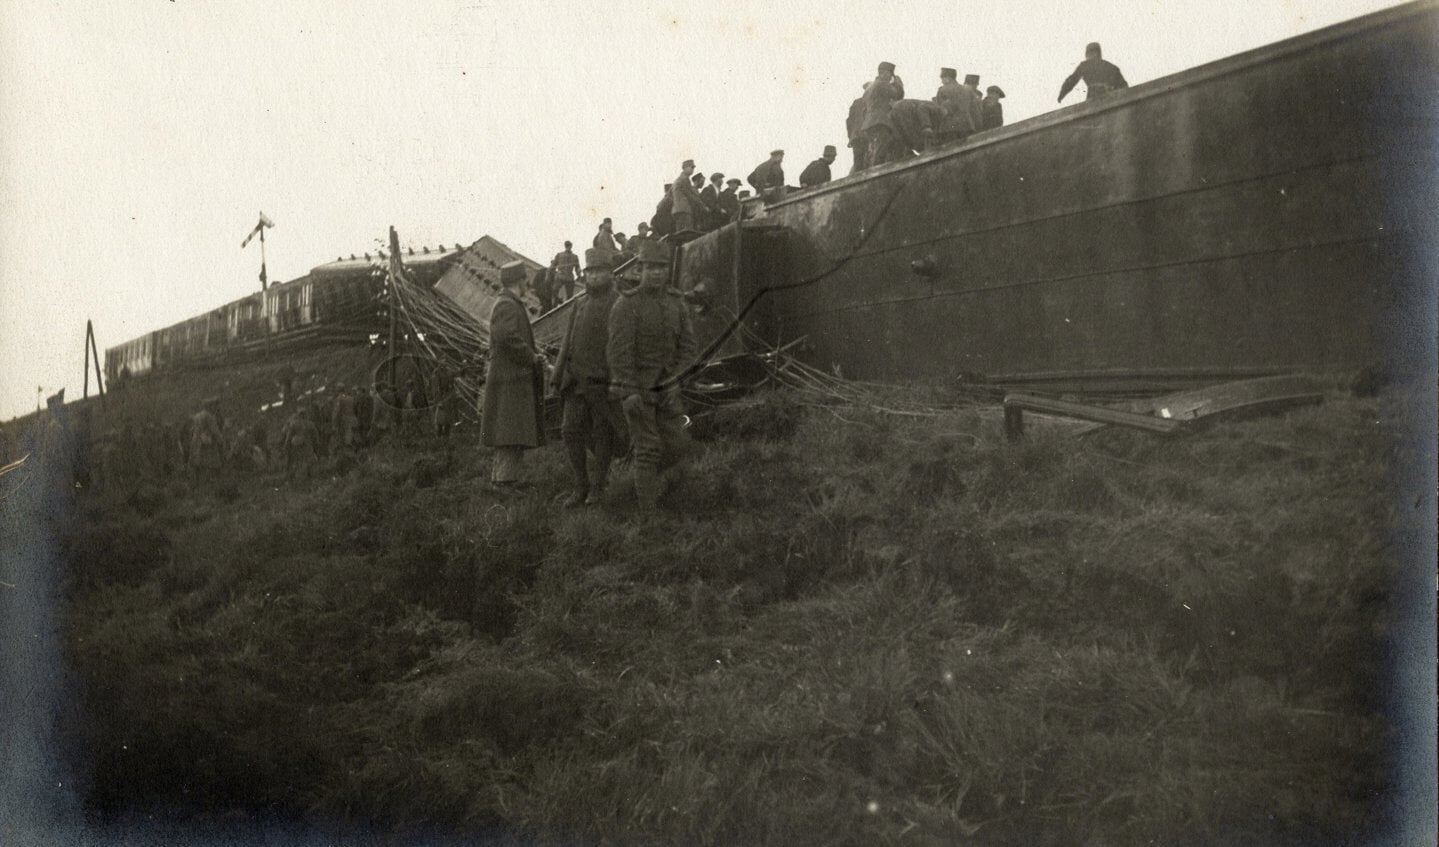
(963, 115)
(884, 91)
(512, 420)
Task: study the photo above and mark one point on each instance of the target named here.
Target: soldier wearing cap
(728, 201)
(564, 270)
(593, 421)
(605, 239)
(639, 239)
(710, 195)
(878, 129)
(205, 437)
(543, 286)
(963, 114)
(817, 172)
(993, 109)
(650, 345)
(300, 441)
(663, 221)
(1100, 77)
(511, 420)
(768, 176)
(344, 423)
(853, 124)
(971, 84)
(686, 206)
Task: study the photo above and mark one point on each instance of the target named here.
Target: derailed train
(336, 301)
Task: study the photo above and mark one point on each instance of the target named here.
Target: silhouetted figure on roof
(993, 109)
(817, 172)
(687, 207)
(916, 126)
(884, 91)
(566, 268)
(960, 104)
(605, 238)
(729, 200)
(768, 176)
(663, 222)
(1100, 77)
(710, 195)
(854, 128)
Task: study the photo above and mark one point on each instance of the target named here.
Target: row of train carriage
(337, 301)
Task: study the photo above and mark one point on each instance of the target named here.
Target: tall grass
(846, 626)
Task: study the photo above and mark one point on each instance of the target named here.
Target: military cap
(653, 253)
(776, 152)
(716, 176)
(830, 151)
(598, 259)
(971, 79)
(886, 67)
(511, 272)
(995, 90)
(949, 72)
(732, 181)
(687, 163)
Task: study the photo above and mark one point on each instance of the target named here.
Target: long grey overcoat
(512, 415)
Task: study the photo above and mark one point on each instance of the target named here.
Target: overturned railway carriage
(336, 302)
(1264, 213)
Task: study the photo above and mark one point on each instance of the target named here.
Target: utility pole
(92, 350)
(394, 280)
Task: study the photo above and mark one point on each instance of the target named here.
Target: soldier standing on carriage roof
(650, 345)
(817, 172)
(1100, 77)
(565, 269)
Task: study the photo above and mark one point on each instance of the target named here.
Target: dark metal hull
(1268, 212)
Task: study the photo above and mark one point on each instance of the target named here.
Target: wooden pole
(99, 373)
(264, 277)
(394, 280)
(89, 339)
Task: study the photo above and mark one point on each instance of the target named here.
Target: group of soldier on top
(883, 126)
(625, 351)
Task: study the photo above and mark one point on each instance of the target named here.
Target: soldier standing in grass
(650, 345)
(299, 440)
(343, 421)
(205, 438)
(593, 423)
(512, 420)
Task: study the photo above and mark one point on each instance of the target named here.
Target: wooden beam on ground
(1015, 405)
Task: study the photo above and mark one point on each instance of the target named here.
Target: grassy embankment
(847, 627)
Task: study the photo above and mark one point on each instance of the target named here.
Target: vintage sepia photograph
(475, 422)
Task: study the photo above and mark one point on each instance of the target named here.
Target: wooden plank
(1016, 404)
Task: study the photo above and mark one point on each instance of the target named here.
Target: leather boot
(647, 489)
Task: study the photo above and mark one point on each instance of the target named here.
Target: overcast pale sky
(140, 140)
